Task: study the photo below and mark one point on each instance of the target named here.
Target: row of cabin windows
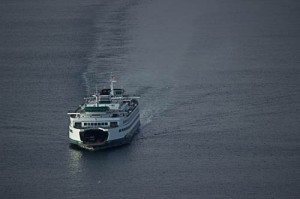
(128, 127)
(85, 124)
(124, 129)
(94, 124)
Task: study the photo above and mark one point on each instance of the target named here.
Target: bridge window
(77, 125)
(113, 124)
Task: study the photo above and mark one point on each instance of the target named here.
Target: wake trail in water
(112, 53)
(108, 53)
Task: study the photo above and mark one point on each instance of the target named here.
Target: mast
(112, 81)
(96, 96)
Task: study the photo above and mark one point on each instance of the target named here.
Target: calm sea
(220, 97)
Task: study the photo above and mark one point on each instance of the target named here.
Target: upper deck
(107, 103)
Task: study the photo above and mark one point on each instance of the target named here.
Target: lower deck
(97, 139)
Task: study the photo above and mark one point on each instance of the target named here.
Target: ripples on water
(219, 86)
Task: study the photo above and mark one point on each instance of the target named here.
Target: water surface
(219, 83)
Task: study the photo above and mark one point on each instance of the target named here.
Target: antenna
(96, 95)
(122, 88)
(112, 81)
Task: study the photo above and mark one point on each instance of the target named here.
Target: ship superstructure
(107, 118)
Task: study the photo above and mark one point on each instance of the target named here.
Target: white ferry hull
(108, 118)
(115, 138)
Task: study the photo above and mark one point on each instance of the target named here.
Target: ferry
(108, 118)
